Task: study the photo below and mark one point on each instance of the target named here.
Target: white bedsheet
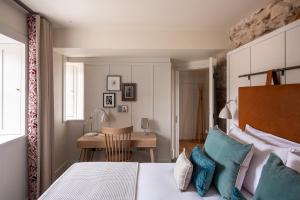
(95, 180)
(155, 182)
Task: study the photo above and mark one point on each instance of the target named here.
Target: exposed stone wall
(220, 88)
(273, 16)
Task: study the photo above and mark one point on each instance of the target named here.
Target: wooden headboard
(273, 108)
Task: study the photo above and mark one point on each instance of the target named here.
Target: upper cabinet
(266, 55)
(293, 55)
(238, 63)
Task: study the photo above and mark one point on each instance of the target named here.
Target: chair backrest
(118, 143)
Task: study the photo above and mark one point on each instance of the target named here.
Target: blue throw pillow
(237, 195)
(278, 182)
(228, 155)
(203, 170)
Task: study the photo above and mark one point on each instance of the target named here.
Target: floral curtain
(40, 106)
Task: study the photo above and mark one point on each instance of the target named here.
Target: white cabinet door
(11, 85)
(267, 55)
(162, 109)
(142, 75)
(292, 55)
(239, 63)
(119, 119)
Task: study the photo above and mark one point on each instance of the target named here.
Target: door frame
(204, 64)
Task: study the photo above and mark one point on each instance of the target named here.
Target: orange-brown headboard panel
(274, 109)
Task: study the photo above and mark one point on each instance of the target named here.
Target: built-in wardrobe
(278, 49)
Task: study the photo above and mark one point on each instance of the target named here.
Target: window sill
(5, 139)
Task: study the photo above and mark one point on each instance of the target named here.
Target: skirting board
(61, 169)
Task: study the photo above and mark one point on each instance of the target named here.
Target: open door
(176, 110)
(211, 92)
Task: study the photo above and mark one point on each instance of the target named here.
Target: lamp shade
(225, 113)
(104, 117)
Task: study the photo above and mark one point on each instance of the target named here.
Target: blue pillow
(203, 170)
(228, 155)
(237, 195)
(278, 182)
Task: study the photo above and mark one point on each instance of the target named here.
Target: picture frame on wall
(129, 92)
(109, 100)
(113, 83)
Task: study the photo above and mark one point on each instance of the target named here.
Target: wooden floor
(188, 145)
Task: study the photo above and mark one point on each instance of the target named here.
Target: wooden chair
(118, 143)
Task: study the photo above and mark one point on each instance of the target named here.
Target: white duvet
(155, 181)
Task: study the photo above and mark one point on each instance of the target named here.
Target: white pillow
(183, 171)
(260, 157)
(234, 133)
(272, 139)
(293, 161)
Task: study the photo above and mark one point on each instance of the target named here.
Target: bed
(154, 181)
(268, 108)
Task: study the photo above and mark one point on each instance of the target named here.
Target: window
(12, 87)
(73, 91)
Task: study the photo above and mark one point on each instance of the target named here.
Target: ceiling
(154, 15)
(182, 14)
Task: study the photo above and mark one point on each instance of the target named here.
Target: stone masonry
(273, 16)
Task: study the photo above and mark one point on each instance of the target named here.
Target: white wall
(190, 81)
(60, 131)
(13, 169)
(13, 155)
(13, 21)
(153, 79)
(277, 49)
(97, 38)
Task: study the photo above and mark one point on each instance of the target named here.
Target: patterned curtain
(40, 106)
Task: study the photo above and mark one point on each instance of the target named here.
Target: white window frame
(78, 88)
(22, 89)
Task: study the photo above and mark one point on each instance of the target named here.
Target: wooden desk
(138, 140)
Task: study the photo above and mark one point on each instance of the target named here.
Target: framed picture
(113, 83)
(129, 92)
(123, 108)
(109, 100)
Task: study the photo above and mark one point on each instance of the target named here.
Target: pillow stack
(277, 181)
(265, 165)
(229, 156)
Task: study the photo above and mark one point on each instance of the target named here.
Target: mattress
(155, 181)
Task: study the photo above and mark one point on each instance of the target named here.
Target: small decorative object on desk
(113, 83)
(145, 124)
(91, 134)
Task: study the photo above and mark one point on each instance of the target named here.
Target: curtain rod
(24, 6)
(282, 70)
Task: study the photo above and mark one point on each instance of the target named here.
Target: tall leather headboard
(273, 108)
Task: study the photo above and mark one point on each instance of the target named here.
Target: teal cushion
(278, 182)
(237, 195)
(203, 170)
(228, 155)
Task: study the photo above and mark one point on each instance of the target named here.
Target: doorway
(193, 108)
(194, 105)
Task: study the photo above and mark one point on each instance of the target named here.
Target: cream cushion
(183, 171)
